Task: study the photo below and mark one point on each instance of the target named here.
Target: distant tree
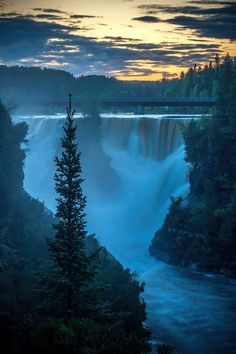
(182, 75)
(189, 82)
(36, 303)
(67, 251)
(225, 100)
(217, 62)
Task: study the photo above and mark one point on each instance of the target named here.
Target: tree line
(199, 231)
(60, 291)
(52, 85)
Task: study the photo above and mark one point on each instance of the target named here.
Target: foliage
(29, 320)
(67, 251)
(210, 209)
(84, 336)
(52, 86)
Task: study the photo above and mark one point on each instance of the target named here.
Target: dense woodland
(46, 258)
(199, 231)
(53, 86)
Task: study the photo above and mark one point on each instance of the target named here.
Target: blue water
(193, 312)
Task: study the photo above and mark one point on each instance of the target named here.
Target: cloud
(47, 17)
(214, 27)
(212, 2)
(216, 21)
(122, 39)
(223, 8)
(191, 46)
(136, 72)
(9, 14)
(49, 10)
(24, 40)
(167, 75)
(156, 8)
(147, 19)
(84, 16)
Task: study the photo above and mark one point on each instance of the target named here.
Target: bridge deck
(157, 102)
(133, 102)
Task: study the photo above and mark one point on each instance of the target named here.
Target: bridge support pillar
(139, 109)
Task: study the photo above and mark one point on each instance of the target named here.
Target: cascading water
(147, 157)
(131, 170)
(145, 164)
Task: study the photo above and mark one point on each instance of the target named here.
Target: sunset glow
(129, 39)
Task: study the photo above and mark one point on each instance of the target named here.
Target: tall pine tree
(72, 266)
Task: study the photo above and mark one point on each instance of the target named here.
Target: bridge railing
(129, 101)
(157, 99)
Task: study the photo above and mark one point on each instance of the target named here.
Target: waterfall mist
(131, 166)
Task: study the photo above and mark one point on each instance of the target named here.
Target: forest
(107, 311)
(53, 85)
(199, 230)
(63, 292)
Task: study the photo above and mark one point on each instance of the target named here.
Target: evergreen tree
(224, 99)
(35, 303)
(200, 230)
(217, 62)
(67, 251)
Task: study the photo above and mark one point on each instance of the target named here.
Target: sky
(128, 39)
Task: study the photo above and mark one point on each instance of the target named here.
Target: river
(131, 170)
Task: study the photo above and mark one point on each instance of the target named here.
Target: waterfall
(148, 156)
(141, 157)
(156, 138)
(132, 165)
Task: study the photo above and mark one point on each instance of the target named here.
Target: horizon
(125, 39)
(110, 76)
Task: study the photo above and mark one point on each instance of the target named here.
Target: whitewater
(132, 165)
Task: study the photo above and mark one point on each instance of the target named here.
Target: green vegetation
(53, 85)
(47, 305)
(200, 230)
(72, 267)
(198, 81)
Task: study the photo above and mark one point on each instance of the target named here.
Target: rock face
(199, 231)
(179, 243)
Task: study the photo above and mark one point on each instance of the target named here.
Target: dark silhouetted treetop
(67, 250)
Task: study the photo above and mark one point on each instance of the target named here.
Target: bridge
(159, 101)
(139, 103)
